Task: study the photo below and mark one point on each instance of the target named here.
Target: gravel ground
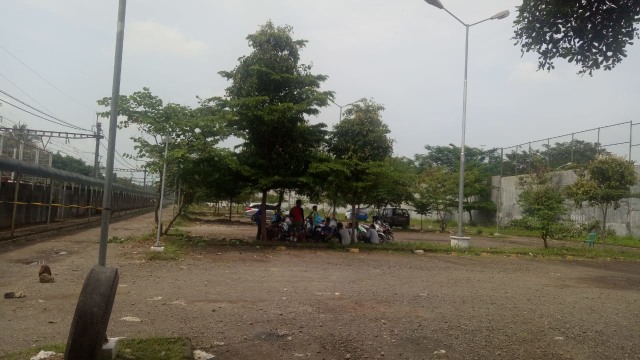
(258, 303)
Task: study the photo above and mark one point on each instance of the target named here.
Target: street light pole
(343, 106)
(501, 15)
(340, 120)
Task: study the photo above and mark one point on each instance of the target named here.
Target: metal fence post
(50, 202)
(64, 192)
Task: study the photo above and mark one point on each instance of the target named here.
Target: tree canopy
(436, 189)
(604, 183)
(594, 34)
(270, 96)
(543, 202)
(69, 163)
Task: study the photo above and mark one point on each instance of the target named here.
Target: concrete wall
(625, 220)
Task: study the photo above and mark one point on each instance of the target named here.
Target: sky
(407, 55)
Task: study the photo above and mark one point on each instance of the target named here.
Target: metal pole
(50, 202)
(462, 142)
(499, 195)
(96, 160)
(64, 192)
(630, 138)
(164, 173)
(113, 124)
(16, 192)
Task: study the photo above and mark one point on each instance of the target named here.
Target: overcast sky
(405, 54)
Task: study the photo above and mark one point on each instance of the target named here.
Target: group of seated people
(317, 228)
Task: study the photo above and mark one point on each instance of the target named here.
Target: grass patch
(155, 348)
(27, 354)
(175, 243)
(620, 241)
(131, 240)
(178, 242)
(178, 348)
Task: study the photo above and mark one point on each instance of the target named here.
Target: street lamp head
(501, 15)
(435, 3)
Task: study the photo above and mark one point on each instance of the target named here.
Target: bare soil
(259, 303)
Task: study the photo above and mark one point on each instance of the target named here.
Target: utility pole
(96, 161)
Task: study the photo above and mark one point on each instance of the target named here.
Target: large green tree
(392, 183)
(436, 192)
(572, 153)
(216, 176)
(543, 202)
(193, 132)
(592, 33)
(271, 95)
(603, 183)
(360, 148)
(69, 163)
(480, 165)
(449, 158)
(561, 155)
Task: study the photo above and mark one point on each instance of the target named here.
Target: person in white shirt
(372, 235)
(345, 234)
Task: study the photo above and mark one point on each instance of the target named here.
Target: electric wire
(121, 162)
(41, 117)
(45, 80)
(42, 112)
(24, 92)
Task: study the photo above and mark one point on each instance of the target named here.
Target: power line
(42, 112)
(41, 117)
(121, 158)
(45, 80)
(24, 92)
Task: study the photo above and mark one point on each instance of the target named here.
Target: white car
(253, 208)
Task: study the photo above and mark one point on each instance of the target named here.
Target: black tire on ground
(89, 326)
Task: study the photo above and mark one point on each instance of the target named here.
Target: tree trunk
(158, 203)
(354, 230)
(420, 222)
(263, 218)
(605, 209)
(181, 205)
(230, 207)
(544, 239)
(471, 219)
(280, 198)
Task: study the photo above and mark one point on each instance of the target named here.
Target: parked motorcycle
(384, 231)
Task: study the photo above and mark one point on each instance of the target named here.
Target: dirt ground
(258, 303)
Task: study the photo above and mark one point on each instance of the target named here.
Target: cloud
(152, 37)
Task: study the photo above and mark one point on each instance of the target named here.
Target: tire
(91, 319)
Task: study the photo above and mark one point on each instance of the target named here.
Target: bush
(525, 223)
(567, 230)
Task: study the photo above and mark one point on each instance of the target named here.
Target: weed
(29, 353)
(116, 240)
(156, 348)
